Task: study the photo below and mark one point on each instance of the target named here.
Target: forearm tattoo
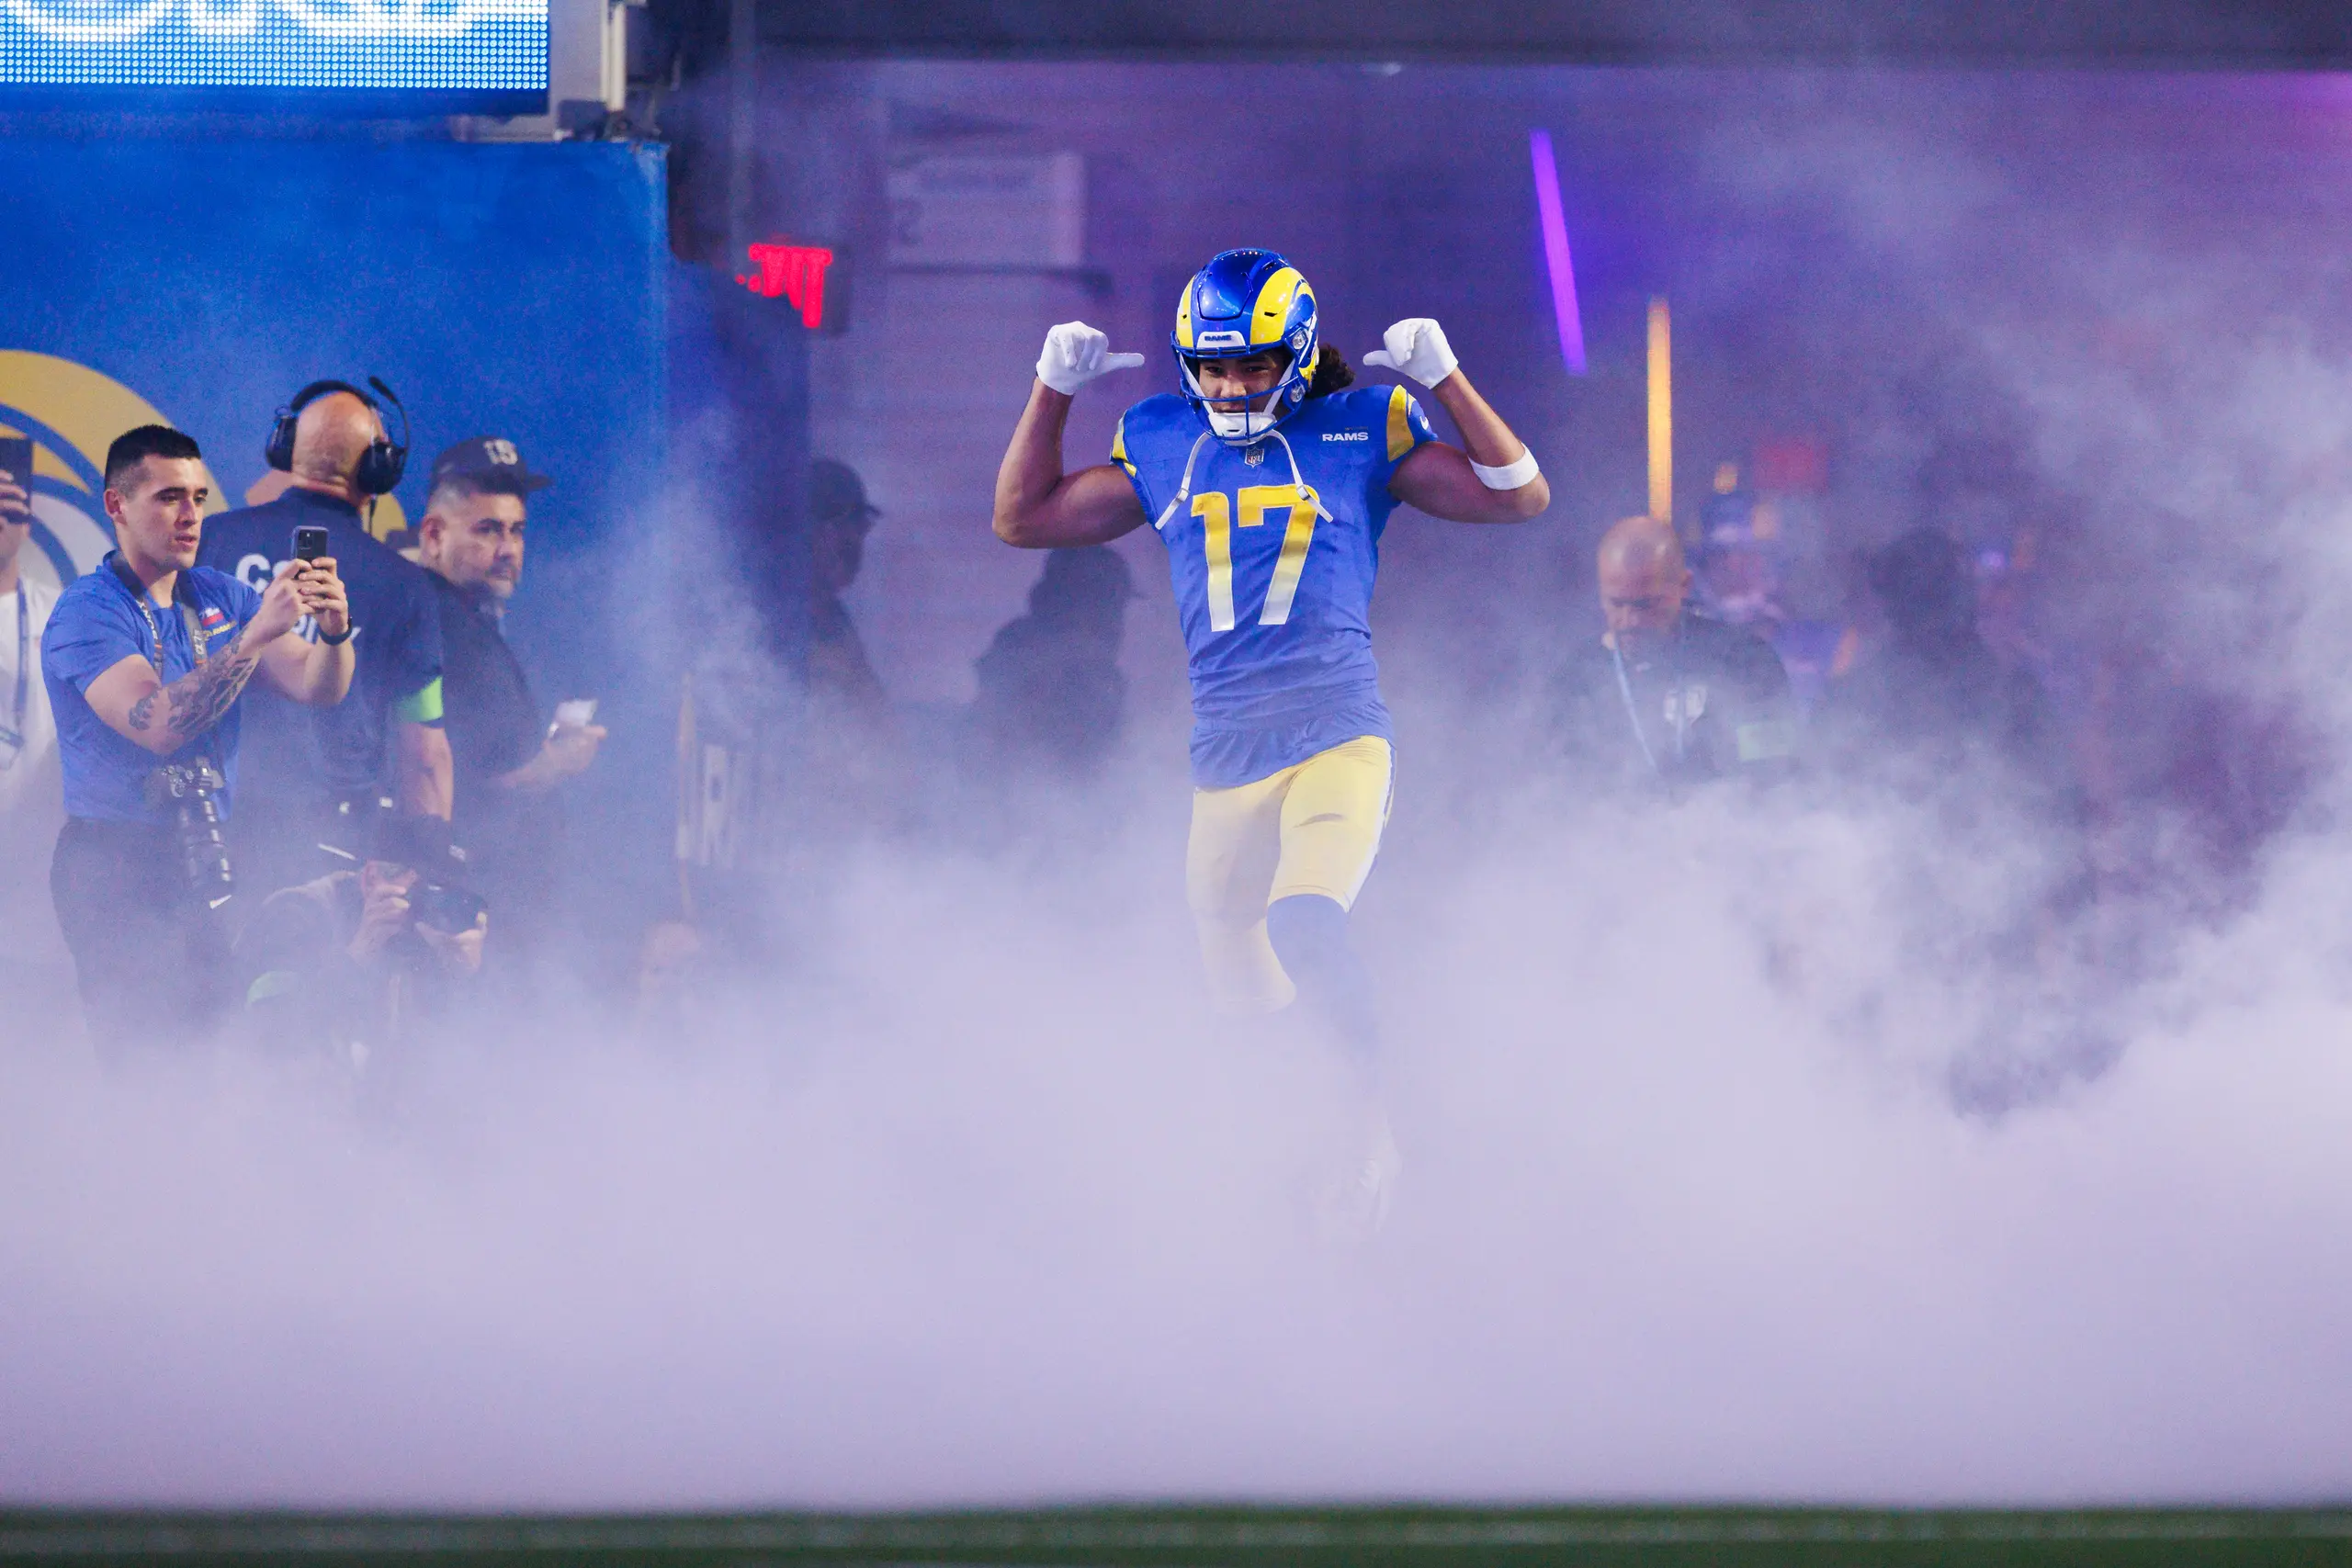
(197, 702)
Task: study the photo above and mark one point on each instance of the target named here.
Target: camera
(443, 908)
(191, 792)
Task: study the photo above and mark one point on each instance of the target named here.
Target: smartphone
(577, 714)
(16, 460)
(310, 543)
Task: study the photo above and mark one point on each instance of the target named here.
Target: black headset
(379, 466)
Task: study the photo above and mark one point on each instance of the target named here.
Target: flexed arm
(1038, 507)
(138, 706)
(1497, 479)
(133, 701)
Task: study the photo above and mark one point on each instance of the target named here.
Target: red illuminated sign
(790, 272)
(1792, 465)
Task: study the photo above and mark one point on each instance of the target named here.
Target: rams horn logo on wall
(73, 414)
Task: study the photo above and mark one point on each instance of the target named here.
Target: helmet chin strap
(1298, 483)
(1184, 489)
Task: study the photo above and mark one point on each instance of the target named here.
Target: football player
(1270, 481)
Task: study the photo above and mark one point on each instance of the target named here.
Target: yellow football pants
(1314, 827)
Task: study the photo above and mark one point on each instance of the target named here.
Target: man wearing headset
(1665, 700)
(306, 769)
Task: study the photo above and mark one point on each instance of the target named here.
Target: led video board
(489, 56)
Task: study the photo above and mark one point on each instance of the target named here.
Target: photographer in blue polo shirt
(144, 660)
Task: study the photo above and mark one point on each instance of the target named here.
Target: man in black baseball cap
(509, 759)
(840, 516)
(837, 494)
(490, 462)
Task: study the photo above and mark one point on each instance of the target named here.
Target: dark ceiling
(2247, 33)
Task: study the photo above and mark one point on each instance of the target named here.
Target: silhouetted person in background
(1986, 873)
(1052, 701)
(856, 775)
(840, 517)
(1665, 698)
(1933, 707)
(31, 801)
(1752, 574)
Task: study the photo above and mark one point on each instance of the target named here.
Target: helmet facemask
(1245, 418)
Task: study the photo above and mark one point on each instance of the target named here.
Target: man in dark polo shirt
(508, 759)
(1665, 700)
(304, 767)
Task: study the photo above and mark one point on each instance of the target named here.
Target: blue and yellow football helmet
(1243, 303)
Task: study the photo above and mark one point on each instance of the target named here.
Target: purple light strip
(1556, 250)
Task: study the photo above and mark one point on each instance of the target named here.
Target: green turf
(1326, 1538)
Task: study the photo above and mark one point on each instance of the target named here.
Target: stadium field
(1202, 1536)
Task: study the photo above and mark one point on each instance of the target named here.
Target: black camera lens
(192, 792)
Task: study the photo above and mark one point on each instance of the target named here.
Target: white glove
(1075, 354)
(1416, 348)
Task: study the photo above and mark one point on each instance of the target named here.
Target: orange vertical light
(1661, 414)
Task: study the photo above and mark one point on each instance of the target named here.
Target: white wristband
(1511, 475)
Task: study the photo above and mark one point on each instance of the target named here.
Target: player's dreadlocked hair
(1331, 373)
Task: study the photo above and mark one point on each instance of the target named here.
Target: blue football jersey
(1274, 550)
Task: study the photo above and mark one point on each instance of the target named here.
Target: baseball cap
(490, 461)
(835, 491)
(383, 832)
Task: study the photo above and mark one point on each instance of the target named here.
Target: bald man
(1666, 699)
(306, 769)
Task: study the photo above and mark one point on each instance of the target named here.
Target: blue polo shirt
(96, 625)
(295, 755)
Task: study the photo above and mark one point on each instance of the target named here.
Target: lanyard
(12, 737)
(1633, 712)
(196, 640)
